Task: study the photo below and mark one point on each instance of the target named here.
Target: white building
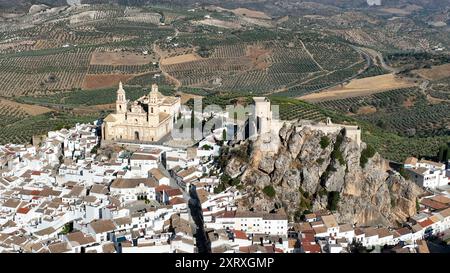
(427, 174)
(131, 189)
(255, 222)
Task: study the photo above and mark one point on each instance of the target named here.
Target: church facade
(147, 119)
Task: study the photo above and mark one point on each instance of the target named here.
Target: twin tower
(147, 119)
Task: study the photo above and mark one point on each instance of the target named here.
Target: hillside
(304, 170)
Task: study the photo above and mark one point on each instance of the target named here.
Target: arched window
(136, 135)
(136, 120)
(151, 110)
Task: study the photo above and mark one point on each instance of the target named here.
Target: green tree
(67, 228)
(224, 134)
(444, 153)
(324, 142)
(220, 188)
(269, 191)
(366, 154)
(333, 200)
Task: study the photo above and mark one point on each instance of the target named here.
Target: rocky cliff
(304, 170)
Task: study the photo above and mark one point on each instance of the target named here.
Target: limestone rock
(299, 169)
(37, 8)
(235, 167)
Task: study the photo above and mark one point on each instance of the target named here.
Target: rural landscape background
(385, 68)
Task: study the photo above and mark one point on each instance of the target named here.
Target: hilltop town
(71, 193)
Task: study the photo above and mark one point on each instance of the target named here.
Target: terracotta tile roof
(143, 157)
(122, 221)
(417, 228)
(302, 227)
(45, 231)
(108, 248)
(436, 218)
(320, 230)
(177, 201)
(23, 210)
(411, 161)
(240, 234)
(59, 247)
(329, 221)
(441, 199)
(426, 223)
(370, 232)
(157, 173)
(99, 189)
(422, 246)
(187, 172)
(307, 237)
(173, 192)
(383, 232)
(227, 214)
(428, 202)
(310, 216)
(403, 231)
(79, 238)
(161, 188)
(11, 203)
(101, 226)
(124, 183)
(345, 228)
(311, 248)
(445, 213)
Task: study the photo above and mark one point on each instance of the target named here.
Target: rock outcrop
(309, 171)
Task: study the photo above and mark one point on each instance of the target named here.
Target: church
(148, 119)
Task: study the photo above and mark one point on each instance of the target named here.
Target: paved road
(375, 54)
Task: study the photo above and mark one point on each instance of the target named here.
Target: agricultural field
(262, 67)
(61, 67)
(435, 72)
(405, 111)
(39, 72)
(22, 130)
(11, 111)
(119, 58)
(360, 87)
(440, 89)
(89, 97)
(373, 71)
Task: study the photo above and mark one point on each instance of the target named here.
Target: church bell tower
(121, 102)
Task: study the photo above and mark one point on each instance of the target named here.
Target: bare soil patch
(180, 59)
(434, 73)
(185, 97)
(94, 108)
(259, 56)
(360, 87)
(409, 102)
(251, 13)
(366, 110)
(119, 58)
(30, 109)
(434, 100)
(219, 23)
(104, 81)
